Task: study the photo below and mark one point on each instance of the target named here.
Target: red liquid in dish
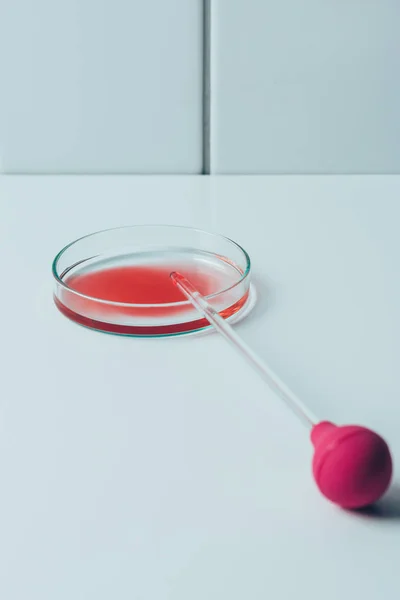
(138, 285)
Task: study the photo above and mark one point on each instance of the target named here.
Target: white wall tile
(305, 86)
(101, 86)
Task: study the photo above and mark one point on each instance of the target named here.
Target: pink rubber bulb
(352, 465)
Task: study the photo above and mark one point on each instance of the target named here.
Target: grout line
(206, 87)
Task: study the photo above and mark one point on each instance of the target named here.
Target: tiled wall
(305, 86)
(191, 86)
(93, 86)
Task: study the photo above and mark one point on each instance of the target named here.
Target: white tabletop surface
(148, 469)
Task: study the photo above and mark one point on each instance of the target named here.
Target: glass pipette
(352, 465)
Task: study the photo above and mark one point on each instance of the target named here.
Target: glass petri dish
(118, 280)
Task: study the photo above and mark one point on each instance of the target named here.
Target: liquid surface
(137, 285)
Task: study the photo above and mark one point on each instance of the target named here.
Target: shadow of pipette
(388, 508)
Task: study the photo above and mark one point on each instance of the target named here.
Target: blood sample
(139, 299)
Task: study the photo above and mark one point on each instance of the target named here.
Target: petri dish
(118, 280)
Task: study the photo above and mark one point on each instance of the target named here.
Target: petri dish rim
(59, 281)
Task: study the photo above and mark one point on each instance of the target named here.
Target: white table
(148, 469)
